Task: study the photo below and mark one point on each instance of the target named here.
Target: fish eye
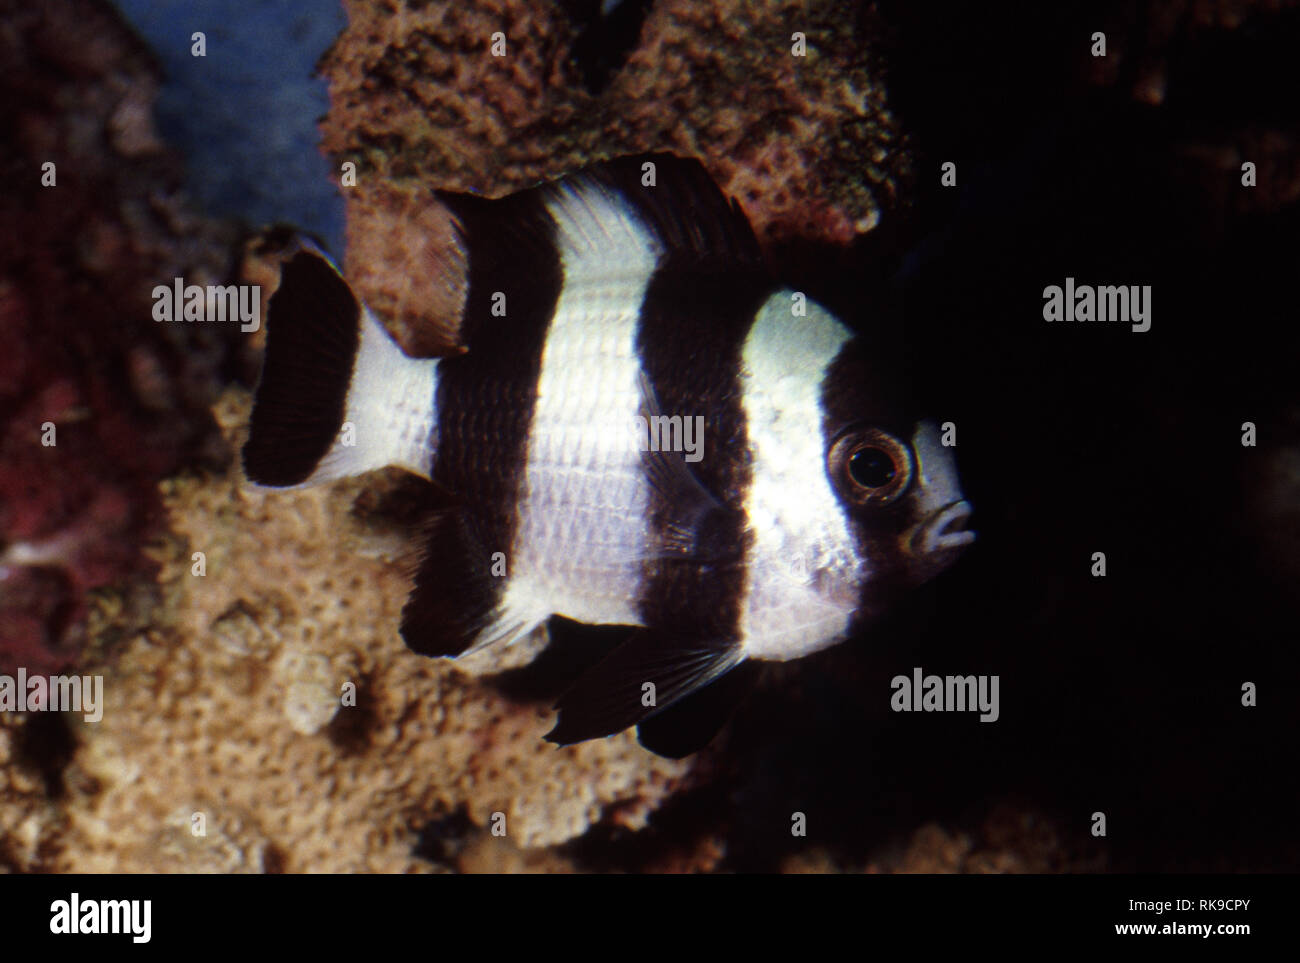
(870, 467)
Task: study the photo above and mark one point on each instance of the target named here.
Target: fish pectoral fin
(455, 607)
(690, 724)
(688, 512)
(639, 679)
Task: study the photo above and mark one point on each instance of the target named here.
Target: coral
(229, 708)
(1012, 838)
(28, 819)
(98, 401)
(806, 144)
(1142, 42)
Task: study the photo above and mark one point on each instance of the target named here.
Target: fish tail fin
(337, 395)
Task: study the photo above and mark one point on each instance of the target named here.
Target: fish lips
(935, 542)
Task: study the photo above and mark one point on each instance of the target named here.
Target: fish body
(640, 427)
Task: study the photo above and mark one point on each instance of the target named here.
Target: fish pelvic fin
(337, 396)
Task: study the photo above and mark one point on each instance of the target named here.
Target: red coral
(127, 398)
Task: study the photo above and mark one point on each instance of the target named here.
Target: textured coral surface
(806, 144)
(233, 712)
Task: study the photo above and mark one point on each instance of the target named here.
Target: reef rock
(273, 718)
(783, 103)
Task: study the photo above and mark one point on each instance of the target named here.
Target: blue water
(245, 115)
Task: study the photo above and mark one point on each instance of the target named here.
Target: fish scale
(581, 534)
(582, 525)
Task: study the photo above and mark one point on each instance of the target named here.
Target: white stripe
(584, 508)
(804, 555)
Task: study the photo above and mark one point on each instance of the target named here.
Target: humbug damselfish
(639, 428)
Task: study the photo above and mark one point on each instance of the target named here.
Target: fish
(637, 426)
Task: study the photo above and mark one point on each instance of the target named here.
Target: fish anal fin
(691, 724)
(643, 676)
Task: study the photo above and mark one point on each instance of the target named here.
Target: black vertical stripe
(860, 388)
(692, 332)
(699, 307)
(485, 402)
(486, 397)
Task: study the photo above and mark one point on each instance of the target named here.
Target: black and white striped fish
(602, 312)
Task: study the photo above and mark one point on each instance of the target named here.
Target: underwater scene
(649, 436)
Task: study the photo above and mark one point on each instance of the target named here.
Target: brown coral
(232, 719)
(805, 143)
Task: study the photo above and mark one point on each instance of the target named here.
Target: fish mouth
(944, 532)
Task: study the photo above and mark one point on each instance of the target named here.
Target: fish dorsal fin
(680, 205)
(498, 236)
(638, 213)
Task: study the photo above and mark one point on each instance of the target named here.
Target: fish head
(903, 500)
(853, 498)
(896, 484)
